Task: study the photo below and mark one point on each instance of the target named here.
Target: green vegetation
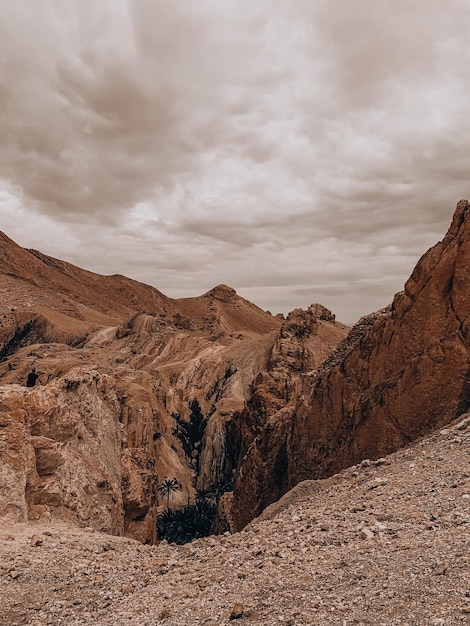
(216, 490)
(190, 433)
(183, 524)
(167, 488)
(187, 523)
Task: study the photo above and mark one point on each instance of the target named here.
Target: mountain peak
(221, 292)
(460, 213)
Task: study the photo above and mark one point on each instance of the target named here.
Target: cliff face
(400, 373)
(407, 375)
(304, 341)
(56, 455)
(112, 418)
(133, 388)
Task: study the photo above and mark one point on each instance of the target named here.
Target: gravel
(384, 543)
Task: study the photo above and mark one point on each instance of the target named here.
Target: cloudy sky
(300, 151)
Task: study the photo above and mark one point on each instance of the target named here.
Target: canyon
(134, 387)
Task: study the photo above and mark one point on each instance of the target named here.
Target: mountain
(134, 387)
(400, 373)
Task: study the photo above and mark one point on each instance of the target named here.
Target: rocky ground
(383, 543)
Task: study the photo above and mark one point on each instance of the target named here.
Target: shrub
(187, 523)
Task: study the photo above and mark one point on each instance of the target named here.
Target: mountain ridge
(120, 362)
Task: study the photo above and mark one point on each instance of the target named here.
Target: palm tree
(184, 524)
(168, 487)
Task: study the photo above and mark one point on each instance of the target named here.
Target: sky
(302, 151)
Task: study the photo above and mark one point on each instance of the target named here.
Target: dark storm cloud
(294, 150)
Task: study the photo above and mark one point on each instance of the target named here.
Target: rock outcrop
(304, 341)
(133, 387)
(401, 373)
(407, 375)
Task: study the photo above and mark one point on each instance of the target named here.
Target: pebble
(237, 611)
(367, 533)
(36, 540)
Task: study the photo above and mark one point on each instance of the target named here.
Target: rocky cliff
(304, 342)
(133, 387)
(401, 373)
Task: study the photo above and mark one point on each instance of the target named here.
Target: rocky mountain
(401, 373)
(211, 391)
(133, 387)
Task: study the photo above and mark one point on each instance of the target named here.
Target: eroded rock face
(304, 341)
(399, 374)
(133, 388)
(407, 375)
(55, 456)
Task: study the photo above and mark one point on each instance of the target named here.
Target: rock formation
(401, 373)
(304, 341)
(133, 387)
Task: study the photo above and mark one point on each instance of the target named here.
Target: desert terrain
(386, 542)
(334, 460)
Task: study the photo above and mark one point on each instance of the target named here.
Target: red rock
(400, 374)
